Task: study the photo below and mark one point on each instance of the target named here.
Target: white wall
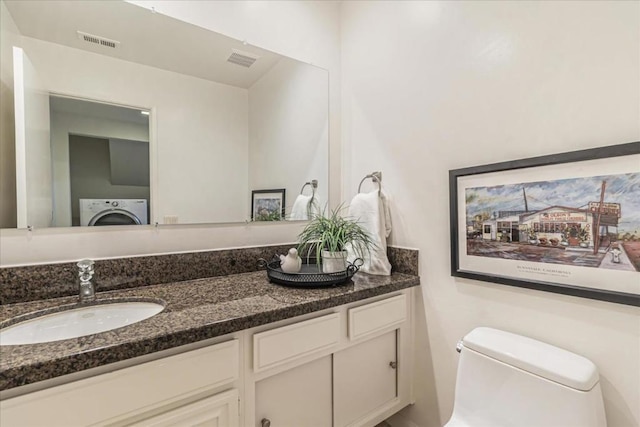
(63, 124)
(307, 31)
(288, 113)
(9, 37)
(434, 86)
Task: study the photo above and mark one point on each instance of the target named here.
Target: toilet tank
(506, 379)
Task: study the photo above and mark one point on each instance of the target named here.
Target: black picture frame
(268, 205)
(549, 274)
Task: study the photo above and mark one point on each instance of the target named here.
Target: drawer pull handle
(393, 365)
(265, 422)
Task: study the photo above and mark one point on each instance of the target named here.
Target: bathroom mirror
(225, 119)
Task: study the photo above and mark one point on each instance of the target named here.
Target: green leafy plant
(573, 231)
(583, 235)
(332, 233)
(268, 216)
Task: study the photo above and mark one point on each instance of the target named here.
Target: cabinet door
(220, 410)
(364, 378)
(299, 397)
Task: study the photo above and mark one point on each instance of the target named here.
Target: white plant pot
(333, 262)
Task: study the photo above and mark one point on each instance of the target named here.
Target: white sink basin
(78, 322)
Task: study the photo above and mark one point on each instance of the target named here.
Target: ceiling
(144, 37)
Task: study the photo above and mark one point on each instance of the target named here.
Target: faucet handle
(85, 274)
(85, 270)
(85, 264)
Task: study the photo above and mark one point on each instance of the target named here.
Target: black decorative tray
(310, 275)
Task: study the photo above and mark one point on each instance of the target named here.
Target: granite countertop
(195, 310)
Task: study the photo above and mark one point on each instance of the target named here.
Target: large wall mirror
(122, 110)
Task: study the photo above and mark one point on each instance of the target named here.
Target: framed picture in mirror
(268, 205)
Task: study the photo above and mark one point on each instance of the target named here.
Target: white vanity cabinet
(350, 367)
(175, 390)
(347, 366)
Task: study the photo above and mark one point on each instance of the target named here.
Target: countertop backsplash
(37, 282)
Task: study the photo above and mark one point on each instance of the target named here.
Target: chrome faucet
(85, 273)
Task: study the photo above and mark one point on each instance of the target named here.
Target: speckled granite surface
(403, 260)
(194, 310)
(38, 282)
(206, 294)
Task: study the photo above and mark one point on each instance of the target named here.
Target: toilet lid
(535, 357)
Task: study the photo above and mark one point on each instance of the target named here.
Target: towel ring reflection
(314, 185)
(375, 177)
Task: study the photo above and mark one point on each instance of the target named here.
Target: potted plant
(584, 238)
(328, 238)
(533, 238)
(573, 236)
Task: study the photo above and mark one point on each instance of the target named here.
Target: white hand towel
(371, 210)
(300, 209)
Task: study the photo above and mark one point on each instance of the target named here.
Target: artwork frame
(482, 250)
(268, 205)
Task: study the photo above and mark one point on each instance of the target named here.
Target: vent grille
(97, 40)
(243, 59)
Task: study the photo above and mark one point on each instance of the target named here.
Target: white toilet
(506, 379)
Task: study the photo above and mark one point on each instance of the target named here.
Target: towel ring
(313, 183)
(375, 177)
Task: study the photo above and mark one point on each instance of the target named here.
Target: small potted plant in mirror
(329, 237)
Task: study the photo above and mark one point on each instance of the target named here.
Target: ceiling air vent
(244, 59)
(97, 40)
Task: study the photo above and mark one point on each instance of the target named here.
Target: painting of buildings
(588, 222)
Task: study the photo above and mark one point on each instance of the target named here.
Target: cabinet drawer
(125, 392)
(377, 316)
(282, 345)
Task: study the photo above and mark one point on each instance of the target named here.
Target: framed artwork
(268, 205)
(567, 223)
